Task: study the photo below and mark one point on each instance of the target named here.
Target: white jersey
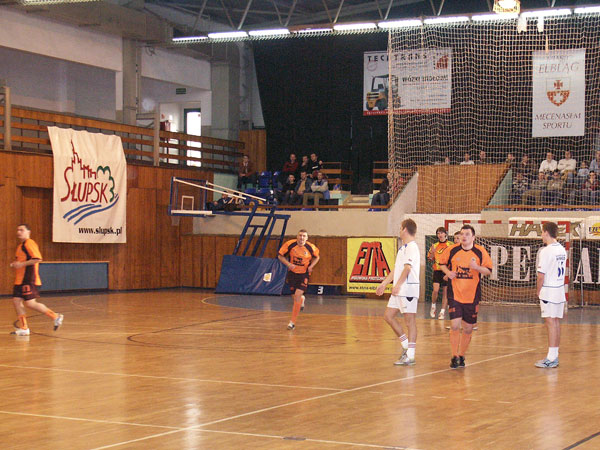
(408, 254)
(552, 263)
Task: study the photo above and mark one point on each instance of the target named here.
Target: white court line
(199, 380)
(79, 419)
(296, 402)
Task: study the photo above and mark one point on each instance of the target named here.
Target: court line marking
(200, 380)
(582, 441)
(296, 402)
(80, 419)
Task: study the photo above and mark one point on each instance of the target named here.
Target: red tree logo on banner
(370, 265)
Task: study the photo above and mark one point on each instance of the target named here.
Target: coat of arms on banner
(558, 90)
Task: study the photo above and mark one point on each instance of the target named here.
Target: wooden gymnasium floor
(185, 369)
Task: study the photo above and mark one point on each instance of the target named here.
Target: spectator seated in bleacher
(246, 173)
(595, 163)
(533, 195)
(482, 158)
(589, 194)
(525, 167)
(302, 187)
(319, 189)
(383, 196)
(315, 163)
(510, 161)
(567, 167)
(305, 165)
(289, 168)
(554, 189)
(225, 203)
(548, 165)
(520, 186)
(467, 161)
(284, 195)
(582, 175)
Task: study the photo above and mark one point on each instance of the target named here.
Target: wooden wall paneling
(256, 147)
(208, 262)
(168, 239)
(186, 267)
(34, 170)
(10, 204)
(331, 268)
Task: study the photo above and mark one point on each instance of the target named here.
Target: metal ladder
(265, 231)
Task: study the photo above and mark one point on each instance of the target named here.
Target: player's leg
(456, 315)
(390, 316)
(434, 296)
(442, 315)
(410, 319)
(297, 297)
(551, 313)
(22, 326)
(40, 307)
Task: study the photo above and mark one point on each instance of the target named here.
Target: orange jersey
(436, 251)
(299, 256)
(466, 287)
(28, 274)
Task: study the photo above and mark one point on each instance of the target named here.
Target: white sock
(404, 341)
(410, 353)
(552, 353)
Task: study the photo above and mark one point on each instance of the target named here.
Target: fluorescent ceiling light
(547, 13)
(400, 23)
(354, 26)
(189, 38)
(314, 30)
(587, 10)
(228, 35)
(446, 19)
(489, 17)
(273, 32)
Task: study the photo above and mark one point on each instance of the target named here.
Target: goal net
(513, 247)
(459, 89)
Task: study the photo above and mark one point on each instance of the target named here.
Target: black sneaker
(454, 362)
(461, 361)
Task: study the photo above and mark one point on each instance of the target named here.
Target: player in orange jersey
(439, 278)
(27, 282)
(464, 265)
(300, 257)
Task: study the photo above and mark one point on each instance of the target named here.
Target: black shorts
(297, 281)
(438, 277)
(466, 311)
(26, 291)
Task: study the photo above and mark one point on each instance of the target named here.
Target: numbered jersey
(552, 263)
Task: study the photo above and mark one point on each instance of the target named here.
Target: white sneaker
(442, 315)
(432, 311)
(303, 299)
(291, 326)
(58, 321)
(21, 332)
(405, 361)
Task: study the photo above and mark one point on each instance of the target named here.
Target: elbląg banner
(90, 187)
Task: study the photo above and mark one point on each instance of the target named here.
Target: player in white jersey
(405, 292)
(551, 290)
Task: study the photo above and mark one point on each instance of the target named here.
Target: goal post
(513, 247)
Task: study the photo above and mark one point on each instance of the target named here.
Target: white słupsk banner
(558, 93)
(90, 187)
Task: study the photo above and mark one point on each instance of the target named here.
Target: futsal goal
(513, 247)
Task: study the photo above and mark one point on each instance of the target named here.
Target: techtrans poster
(370, 260)
(375, 84)
(558, 93)
(90, 187)
(421, 81)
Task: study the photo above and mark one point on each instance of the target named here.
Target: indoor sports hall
(160, 158)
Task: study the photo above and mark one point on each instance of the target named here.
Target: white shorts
(403, 303)
(552, 310)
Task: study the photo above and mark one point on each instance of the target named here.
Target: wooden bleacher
(338, 173)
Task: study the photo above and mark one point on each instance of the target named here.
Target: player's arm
(313, 263)
(29, 262)
(286, 262)
(381, 288)
(540, 282)
(431, 254)
(402, 279)
(481, 269)
(451, 274)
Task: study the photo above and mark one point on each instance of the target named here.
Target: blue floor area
(349, 306)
